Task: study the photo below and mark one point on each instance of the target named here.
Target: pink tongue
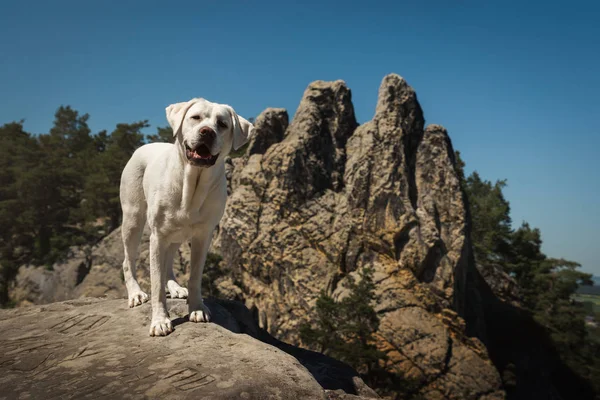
(196, 155)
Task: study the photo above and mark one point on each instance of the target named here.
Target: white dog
(180, 189)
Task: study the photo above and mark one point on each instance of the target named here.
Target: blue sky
(517, 84)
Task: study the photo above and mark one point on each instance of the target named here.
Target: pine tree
(163, 134)
(18, 154)
(55, 190)
(490, 216)
(345, 329)
(55, 187)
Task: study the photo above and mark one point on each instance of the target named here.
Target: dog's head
(206, 131)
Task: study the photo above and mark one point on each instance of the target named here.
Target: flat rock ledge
(95, 348)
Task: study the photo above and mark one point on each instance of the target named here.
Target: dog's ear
(242, 130)
(176, 112)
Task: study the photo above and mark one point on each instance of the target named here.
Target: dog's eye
(221, 124)
(196, 117)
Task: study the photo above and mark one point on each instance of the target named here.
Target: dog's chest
(183, 223)
(197, 209)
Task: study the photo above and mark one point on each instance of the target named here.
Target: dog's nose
(207, 133)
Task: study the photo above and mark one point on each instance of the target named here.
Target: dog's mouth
(200, 155)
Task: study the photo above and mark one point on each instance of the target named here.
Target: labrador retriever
(180, 190)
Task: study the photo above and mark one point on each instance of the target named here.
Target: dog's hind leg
(173, 288)
(134, 219)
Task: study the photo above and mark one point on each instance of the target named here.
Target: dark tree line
(546, 284)
(60, 188)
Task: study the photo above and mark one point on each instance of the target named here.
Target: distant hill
(595, 290)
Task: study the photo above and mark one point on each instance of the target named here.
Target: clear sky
(516, 83)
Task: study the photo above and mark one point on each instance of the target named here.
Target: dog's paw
(161, 327)
(202, 315)
(137, 298)
(176, 291)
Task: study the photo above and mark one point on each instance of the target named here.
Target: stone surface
(91, 348)
(90, 271)
(269, 128)
(503, 286)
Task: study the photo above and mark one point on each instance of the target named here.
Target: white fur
(180, 201)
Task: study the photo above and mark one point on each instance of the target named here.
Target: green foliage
(345, 329)
(491, 223)
(163, 135)
(59, 189)
(18, 152)
(547, 284)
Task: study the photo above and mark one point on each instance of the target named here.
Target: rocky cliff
(332, 197)
(313, 201)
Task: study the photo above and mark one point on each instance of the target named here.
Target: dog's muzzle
(200, 154)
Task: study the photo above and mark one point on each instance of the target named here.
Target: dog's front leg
(200, 244)
(161, 324)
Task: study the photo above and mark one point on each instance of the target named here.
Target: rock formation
(314, 202)
(269, 128)
(333, 197)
